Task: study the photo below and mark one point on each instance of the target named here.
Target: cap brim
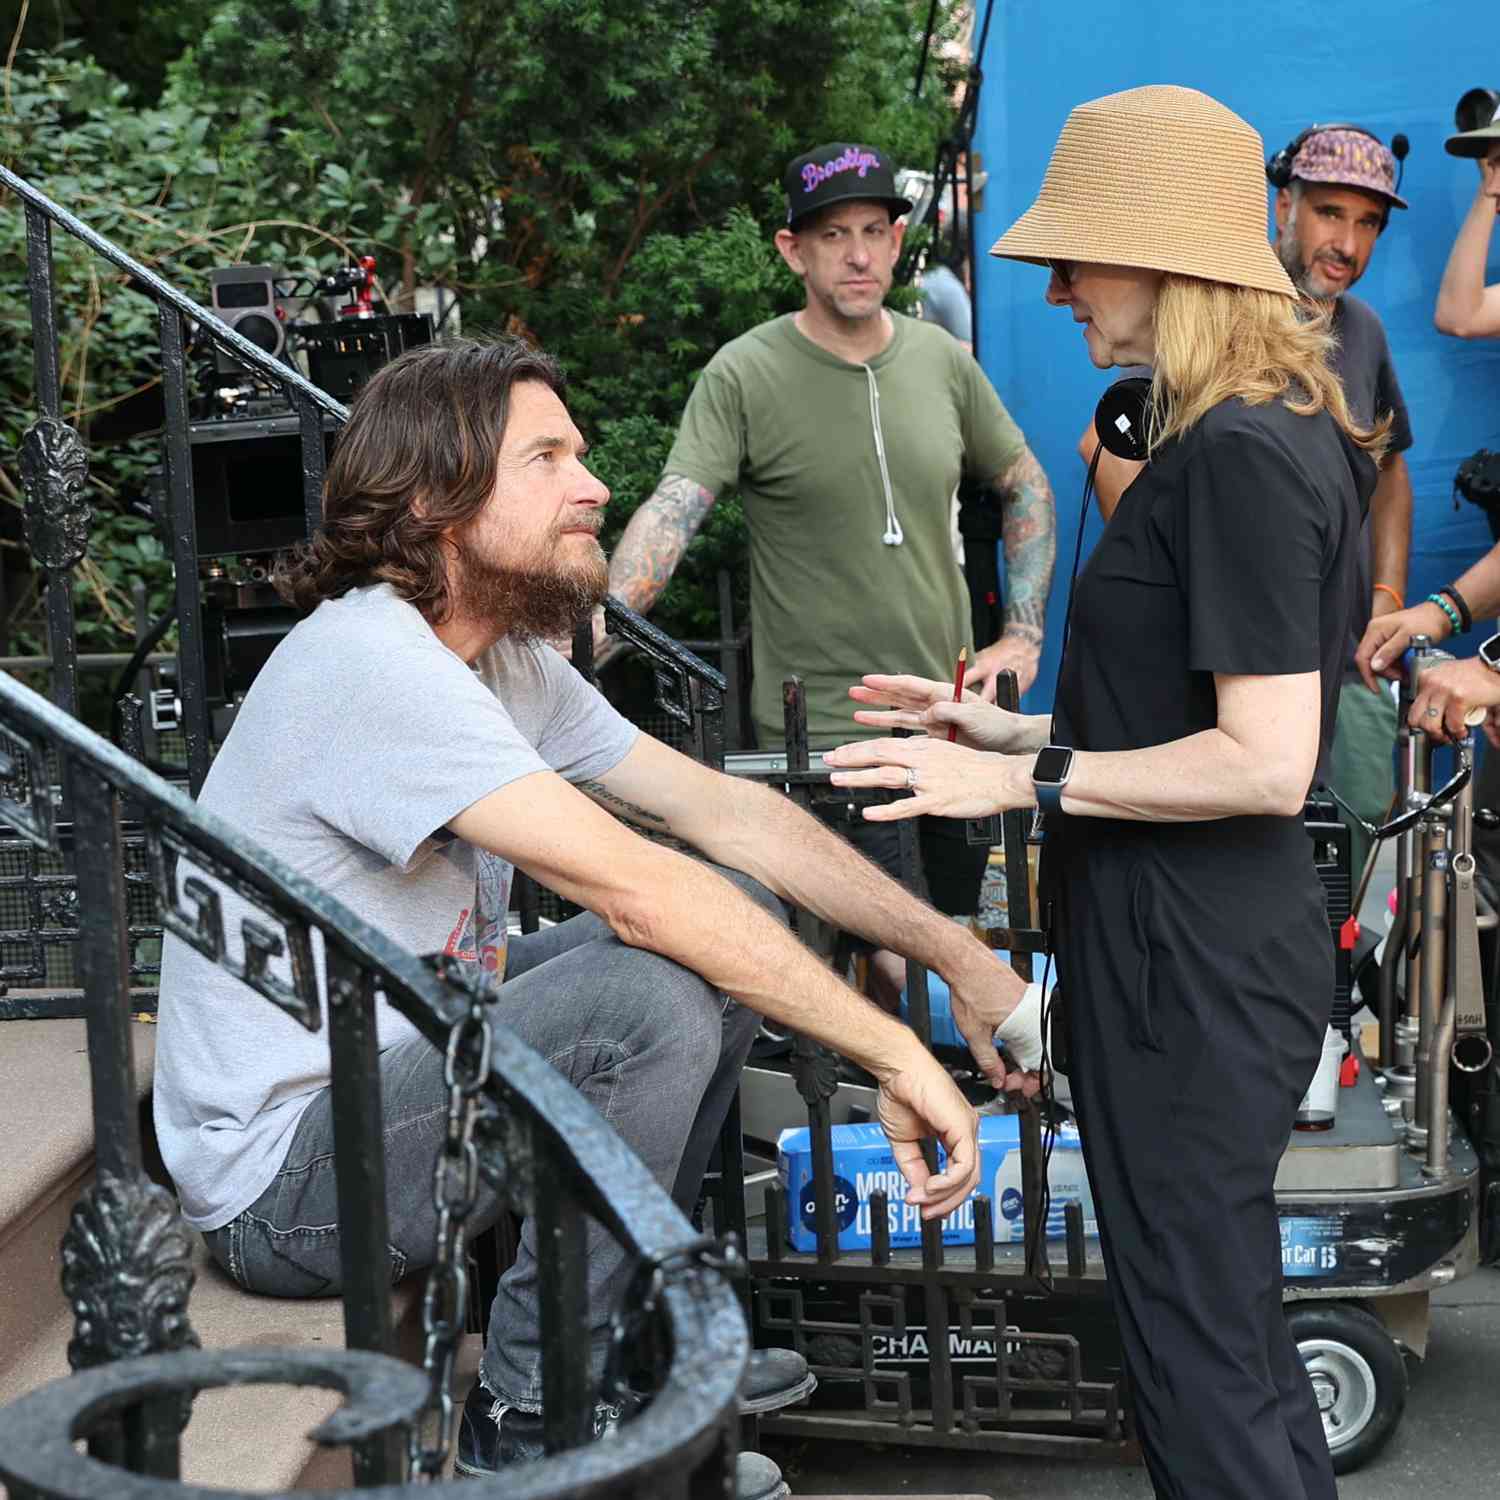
(1473, 143)
(897, 206)
(1331, 178)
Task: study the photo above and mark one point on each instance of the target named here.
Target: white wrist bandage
(1020, 1033)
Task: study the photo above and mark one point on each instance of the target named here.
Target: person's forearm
(1390, 525)
(656, 538)
(700, 920)
(1029, 529)
(1461, 292)
(1199, 778)
(1480, 586)
(832, 880)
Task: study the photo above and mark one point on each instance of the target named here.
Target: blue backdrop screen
(1390, 67)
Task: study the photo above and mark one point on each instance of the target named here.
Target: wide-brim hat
(1161, 177)
(841, 172)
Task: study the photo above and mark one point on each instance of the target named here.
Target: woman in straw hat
(1194, 704)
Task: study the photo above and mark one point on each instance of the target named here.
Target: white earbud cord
(893, 535)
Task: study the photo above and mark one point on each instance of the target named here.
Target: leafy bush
(600, 174)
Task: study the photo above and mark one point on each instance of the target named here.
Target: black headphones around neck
(1120, 419)
(1279, 168)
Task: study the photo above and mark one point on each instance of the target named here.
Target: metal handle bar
(1414, 815)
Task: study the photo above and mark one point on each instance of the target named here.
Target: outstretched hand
(919, 703)
(946, 781)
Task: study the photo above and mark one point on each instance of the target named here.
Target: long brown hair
(417, 459)
(1215, 341)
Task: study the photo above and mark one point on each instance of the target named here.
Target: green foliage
(601, 174)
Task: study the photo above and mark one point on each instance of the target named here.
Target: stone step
(46, 1124)
(253, 1438)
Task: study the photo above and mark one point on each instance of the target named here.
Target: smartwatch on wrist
(1489, 653)
(1053, 766)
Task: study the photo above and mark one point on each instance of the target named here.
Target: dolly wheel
(1358, 1376)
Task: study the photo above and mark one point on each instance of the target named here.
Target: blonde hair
(1215, 341)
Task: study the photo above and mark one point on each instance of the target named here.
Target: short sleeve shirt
(1362, 361)
(809, 441)
(360, 739)
(1234, 553)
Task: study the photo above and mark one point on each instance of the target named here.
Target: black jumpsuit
(1195, 958)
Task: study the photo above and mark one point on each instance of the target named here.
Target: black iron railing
(108, 834)
(983, 1347)
(96, 858)
(534, 1135)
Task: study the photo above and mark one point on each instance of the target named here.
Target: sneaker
(757, 1478)
(775, 1378)
(492, 1434)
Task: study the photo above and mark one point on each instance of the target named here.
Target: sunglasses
(1063, 270)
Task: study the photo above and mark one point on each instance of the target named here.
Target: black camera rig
(245, 443)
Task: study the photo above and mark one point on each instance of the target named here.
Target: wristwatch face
(1052, 764)
(1489, 652)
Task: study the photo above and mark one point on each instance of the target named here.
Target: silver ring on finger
(1432, 713)
(911, 778)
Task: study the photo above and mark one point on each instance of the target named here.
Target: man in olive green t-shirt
(845, 429)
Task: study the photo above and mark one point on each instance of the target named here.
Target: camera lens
(263, 332)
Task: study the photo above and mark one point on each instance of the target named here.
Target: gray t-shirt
(1362, 362)
(361, 737)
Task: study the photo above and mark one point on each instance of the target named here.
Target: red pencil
(958, 688)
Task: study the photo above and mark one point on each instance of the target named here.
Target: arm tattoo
(637, 814)
(655, 539)
(1030, 531)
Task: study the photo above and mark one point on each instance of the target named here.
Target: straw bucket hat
(1160, 177)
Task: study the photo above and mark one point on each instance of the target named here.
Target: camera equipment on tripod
(246, 447)
(341, 356)
(247, 484)
(244, 297)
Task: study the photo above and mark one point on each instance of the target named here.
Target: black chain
(455, 1194)
(641, 1298)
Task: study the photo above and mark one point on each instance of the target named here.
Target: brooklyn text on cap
(839, 173)
(1348, 158)
(1160, 177)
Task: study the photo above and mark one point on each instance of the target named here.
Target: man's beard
(541, 599)
(1289, 252)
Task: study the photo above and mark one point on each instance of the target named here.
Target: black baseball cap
(840, 172)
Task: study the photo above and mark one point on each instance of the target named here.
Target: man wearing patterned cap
(1335, 187)
(1328, 217)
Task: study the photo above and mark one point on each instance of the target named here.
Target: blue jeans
(650, 1044)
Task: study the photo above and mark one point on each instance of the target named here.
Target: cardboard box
(863, 1165)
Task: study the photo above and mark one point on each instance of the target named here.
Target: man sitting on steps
(408, 744)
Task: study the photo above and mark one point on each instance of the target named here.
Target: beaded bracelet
(1448, 610)
(1465, 614)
